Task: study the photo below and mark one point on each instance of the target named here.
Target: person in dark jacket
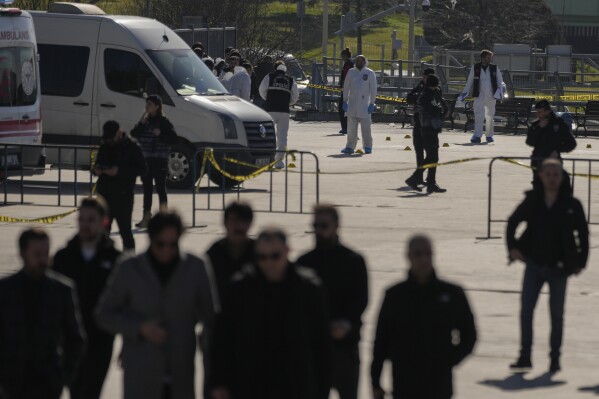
(416, 330)
(265, 67)
(348, 64)
(88, 260)
(118, 163)
(41, 336)
(554, 246)
(272, 337)
(345, 279)
(549, 136)
(431, 108)
(155, 134)
(417, 178)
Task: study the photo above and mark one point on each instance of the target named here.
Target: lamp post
(325, 28)
(411, 37)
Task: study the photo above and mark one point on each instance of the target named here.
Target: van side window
(127, 73)
(18, 76)
(63, 69)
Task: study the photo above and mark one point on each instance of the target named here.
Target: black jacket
(272, 340)
(573, 234)
(349, 64)
(46, 350)
(90, 278)
(225, 267)
(127, 156)
(556, 136)
(412, 97)
(431, 105)
(155, 146)
(345, 279)
(415, 329)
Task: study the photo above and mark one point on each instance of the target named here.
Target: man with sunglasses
(154, 300)
(88, 259)
(272, 337)
(425, 328)
(345, 279)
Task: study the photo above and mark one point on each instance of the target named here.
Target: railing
(19, 174)
(274, 188)
(587, 174)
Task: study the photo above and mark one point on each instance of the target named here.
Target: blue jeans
(535, 276)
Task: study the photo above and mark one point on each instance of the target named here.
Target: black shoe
(434, 188)
(413, 183)
(143, 224)
(555, 366)
(522, 364)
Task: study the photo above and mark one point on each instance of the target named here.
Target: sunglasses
(272, 256)
(167, 244)
(321, 225)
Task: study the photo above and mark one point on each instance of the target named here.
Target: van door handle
(81, 103)
(25, 117)
(108, 105)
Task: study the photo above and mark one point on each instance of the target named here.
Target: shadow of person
(518, 382)
(354, 155)
(594, 389)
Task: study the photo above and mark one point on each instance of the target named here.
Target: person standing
(154, 300)
(118, 163)
(347, 65)
(417, 328)
(155, 133)
(417, 178)
(88, 260)
(241, 82)
(431, 108)
(41, 336)
(359, 95)
(485, 84)
(549, 136)
(280, 92)
(345, 279)
(554, 246)
(272, 337)
(263, 69)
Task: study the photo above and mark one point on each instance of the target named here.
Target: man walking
(344, 276)
(417, 178)
(554, 246)
(41, 336)
(347, 65)
(88, 260)
(549, 136)
(425, 328)
(154, 300)
(280, 92)
(272, 338)
(359, 95)
(118, 164)
(485, 84)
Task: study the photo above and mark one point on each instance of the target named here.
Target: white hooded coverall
(359, 91)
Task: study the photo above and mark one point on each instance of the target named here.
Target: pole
(325, 28)
(411, 37)
(342, 35)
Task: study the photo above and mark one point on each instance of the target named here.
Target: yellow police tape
(92, 163)
(42, 220)
(339, 90)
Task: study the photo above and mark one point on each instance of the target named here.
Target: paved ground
(379, 213)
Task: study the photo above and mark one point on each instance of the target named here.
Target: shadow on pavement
(594, 389)
(471, 144)
(346, 156)
(518, 382)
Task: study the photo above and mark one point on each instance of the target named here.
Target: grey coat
(135, 295)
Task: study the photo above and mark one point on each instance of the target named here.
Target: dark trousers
(342, 117)
(93, 369)
(418, 142)
(430, 140)
(535, 276)
(120, 208)
(346, 370)
(157, 170)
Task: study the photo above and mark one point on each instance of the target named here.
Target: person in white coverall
(485, 84)
(359, 95)
(280, 92)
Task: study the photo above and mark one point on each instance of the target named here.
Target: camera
(426, 5)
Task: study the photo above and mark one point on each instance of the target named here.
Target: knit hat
(347, 52)
(432, 81)
(428, 72)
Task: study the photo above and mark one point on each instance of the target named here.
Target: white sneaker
(280, 165)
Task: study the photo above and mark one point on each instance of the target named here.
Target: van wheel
(180, 166)
(222, 181)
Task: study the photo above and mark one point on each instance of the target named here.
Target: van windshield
(186, 73)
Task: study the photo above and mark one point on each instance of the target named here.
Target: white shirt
(359, 90)
(240, 83)
(485, 85)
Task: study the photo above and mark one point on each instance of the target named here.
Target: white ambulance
(20, 119)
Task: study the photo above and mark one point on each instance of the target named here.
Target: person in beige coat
(154, 300)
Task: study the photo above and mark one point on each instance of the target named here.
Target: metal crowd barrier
(586, 173)
(260, 183)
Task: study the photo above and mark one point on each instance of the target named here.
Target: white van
(97, 67)
(19, 89)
